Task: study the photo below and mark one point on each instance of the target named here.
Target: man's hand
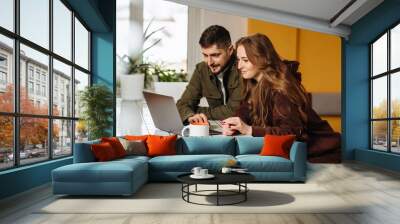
(236, 124)
(198, 118)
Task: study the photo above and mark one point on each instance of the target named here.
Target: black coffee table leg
(245, 194)
(217, 194)
(185, 192)
(242, 190)
(188, 190)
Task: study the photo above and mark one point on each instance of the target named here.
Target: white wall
(199, 20)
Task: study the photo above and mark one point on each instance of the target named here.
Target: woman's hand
(226, 130)
(236, 124)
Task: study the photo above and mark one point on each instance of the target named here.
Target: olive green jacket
(202, 84)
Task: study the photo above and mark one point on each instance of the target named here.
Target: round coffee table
(238, 179)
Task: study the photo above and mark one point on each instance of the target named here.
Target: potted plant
(136, 74)
(96, 102)
(133, 80)
(170, 81)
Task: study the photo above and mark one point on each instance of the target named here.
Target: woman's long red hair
(276, 77)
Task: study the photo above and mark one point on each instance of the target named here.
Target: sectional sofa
(125, 176)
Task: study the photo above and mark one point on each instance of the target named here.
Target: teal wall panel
(356, 106)
(379, 159)
(103, 64)
(103, 58)
(91, 14)
(104, 53)
(24, 178)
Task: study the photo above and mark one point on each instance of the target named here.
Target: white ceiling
(321, 9)
(314, 15)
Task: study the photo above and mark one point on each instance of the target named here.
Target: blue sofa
(125, 176)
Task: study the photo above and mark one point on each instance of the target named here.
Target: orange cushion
(136, 137)
(103, 151)
(277, 145)
(116, 145)
(161, 145)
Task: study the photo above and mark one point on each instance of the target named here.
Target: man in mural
(216, 78)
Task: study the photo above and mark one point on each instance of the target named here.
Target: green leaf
(97, 109)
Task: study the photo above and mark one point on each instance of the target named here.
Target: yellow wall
(319, 56)
(284, 38)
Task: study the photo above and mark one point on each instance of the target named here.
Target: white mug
(196, 170)
(196, 130)
(203, 172)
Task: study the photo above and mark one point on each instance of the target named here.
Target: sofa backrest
(206, 145)
(249, 145)
(83, 153)
(227, 145)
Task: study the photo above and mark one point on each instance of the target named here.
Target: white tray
(208, 176)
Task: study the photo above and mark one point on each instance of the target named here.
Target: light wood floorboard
(377, 190)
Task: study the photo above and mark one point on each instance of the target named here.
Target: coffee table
(238, 179)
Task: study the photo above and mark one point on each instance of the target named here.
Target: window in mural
(385, 94)
(43, 114)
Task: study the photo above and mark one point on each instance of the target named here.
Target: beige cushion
(134, 147)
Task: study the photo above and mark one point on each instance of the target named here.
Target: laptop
(166, 117)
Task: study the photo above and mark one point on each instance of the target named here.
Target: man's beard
(215, 69)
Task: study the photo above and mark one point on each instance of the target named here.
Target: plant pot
(174, 89)
(132, 86)
(129, 118)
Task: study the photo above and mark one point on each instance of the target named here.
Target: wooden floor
(378, 189)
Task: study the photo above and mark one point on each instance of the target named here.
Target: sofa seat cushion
(185, 163)
(133, 158)
(111, 171)
(257, 163)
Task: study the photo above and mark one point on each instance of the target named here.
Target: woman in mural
(276, 102)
